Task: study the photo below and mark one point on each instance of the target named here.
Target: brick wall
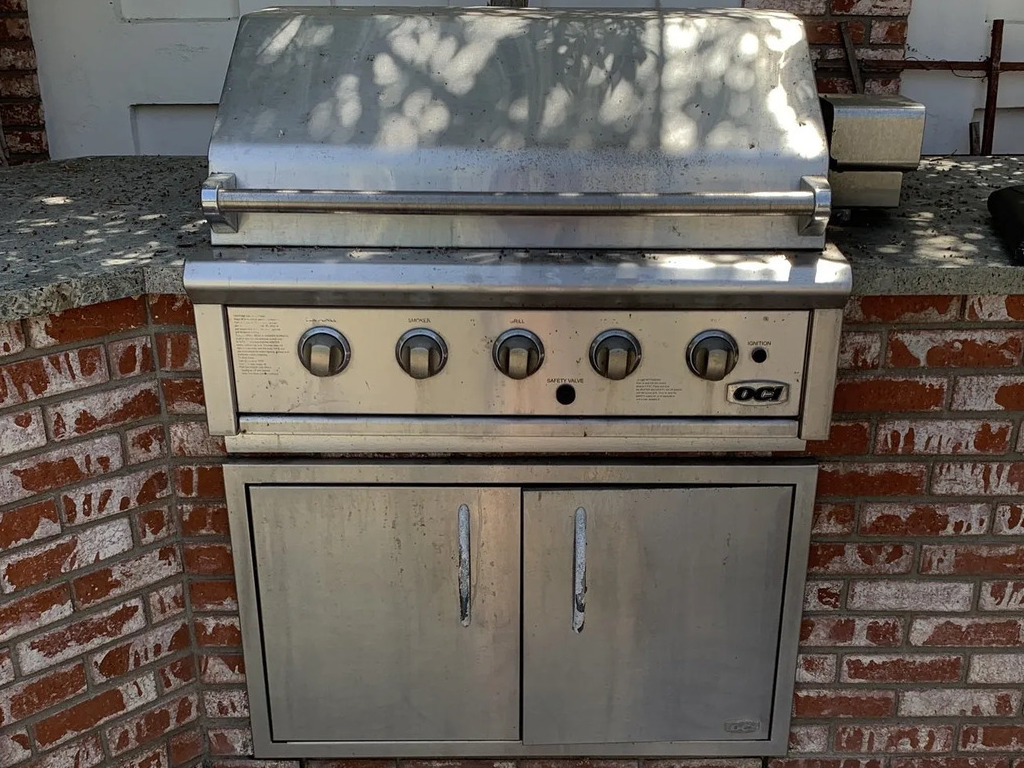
(878, 29)
(21, 110)
(119, 636)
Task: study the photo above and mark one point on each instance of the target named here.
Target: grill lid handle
(222, 202)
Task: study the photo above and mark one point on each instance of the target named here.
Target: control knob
(615, 354)
(518, 353)
(421, 353)
(712, 355)
(323, 351)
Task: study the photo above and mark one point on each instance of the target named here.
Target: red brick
(213, 596)
(956, 631)
(815, 668)
(204, 482)
(823, 595)
(949, 762)
(193, 438)
(145, 443)
(850, 631)
(951, 436)
(827, 32)
(15, 746)
(29, 523)
(995, 309)
(167, 601)
(176, 674)
(889, 32)
(833, 519)
(153, 646)
(40, 693)
(217, 631)
(177, 351)
(859, 479)
(860, 350)
(80, 637)
(114, 495)
(1009, 520)
(6, 667)
(954, 348)
(230, 741)
(130, 357)
(808, 738)
(1002, 668)
(989, 393)
(186, 746)
(859, 558)
(21, 432)
(154, 525)
(19, 85)
(977, 559)
(997, 738)
(45, 562)
(48, 375)
(1002, 596)
(59, 468)
(85, 323)
(12, 340)
(222, 669)
(903, 309)
(911, 668)
(34, 611)
(126, 576)
(112, 408)
(978, 479)
(203, 520)
(183, 396)
(845, 439)
(959, 702)
(894, 738)
(225, 703)
(94, 711)
(28, 114)
(209, 559)
(170, 309)
(892, 394)
(152, 724)
(83, 754)
(152, 758)
(900, 520)
(24, 142)
(903, 595)
(833, 703)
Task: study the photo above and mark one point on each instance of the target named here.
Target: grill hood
(369, 127)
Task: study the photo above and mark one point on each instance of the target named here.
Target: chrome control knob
(421, 353)
(615, 354)
(323, 351)
(712, 355)
(518, 353)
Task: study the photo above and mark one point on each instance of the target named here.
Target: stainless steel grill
(493, 239)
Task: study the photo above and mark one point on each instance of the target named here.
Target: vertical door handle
(579, 570)
(465, 597)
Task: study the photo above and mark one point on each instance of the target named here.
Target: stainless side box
(873, 132)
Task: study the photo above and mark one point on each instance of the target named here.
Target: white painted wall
(122, 77)
(960, 30)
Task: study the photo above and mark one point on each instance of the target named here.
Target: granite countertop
(79, 232)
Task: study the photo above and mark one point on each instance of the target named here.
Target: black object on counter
(1007, 209)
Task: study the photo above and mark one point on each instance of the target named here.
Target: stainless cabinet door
(362, 595)
(679, 623)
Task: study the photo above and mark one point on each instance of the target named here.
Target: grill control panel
(516, 363)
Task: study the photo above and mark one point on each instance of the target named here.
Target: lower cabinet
(544, 618)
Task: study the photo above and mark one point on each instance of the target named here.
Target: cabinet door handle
(464, 566)
(579, 570)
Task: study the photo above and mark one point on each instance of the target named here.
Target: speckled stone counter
(79, 232)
